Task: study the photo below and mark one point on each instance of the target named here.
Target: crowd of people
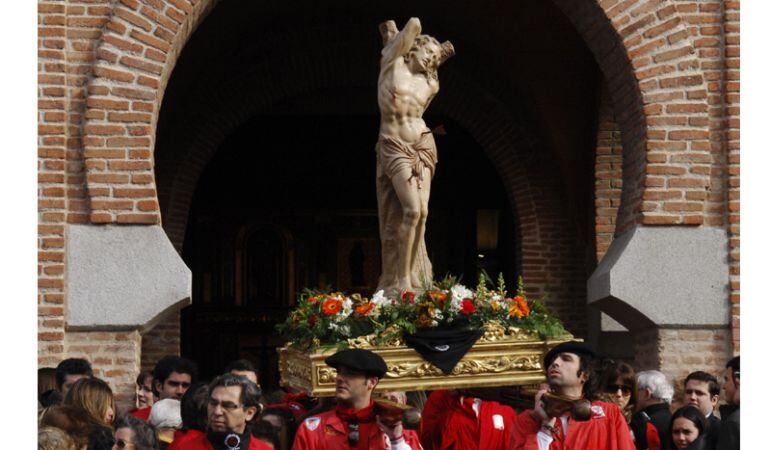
(586, 403)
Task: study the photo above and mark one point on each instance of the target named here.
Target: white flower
(433, 323)
(341, 329)
(437, 314)
(459, 293)
(379, 298)
(347, 307)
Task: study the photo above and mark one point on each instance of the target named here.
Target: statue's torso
(403, 97)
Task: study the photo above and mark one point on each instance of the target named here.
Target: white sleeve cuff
(543, 440)
(400, 444)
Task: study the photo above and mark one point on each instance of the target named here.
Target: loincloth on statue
(395, 156)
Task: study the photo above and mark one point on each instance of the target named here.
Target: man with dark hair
(554, 423)
(701, 390)
(133, 433)
(171, 378)
(243, 368)
(233, 401)
(71, 370)
(354, 422)
(730, 432)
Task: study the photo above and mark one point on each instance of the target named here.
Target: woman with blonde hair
(94, 396)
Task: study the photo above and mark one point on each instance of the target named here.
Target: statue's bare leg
(411, 210)
(418, 273)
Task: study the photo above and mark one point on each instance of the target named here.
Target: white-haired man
(651, 423)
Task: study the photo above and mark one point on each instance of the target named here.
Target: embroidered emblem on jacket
(497, 420)
(312, 423)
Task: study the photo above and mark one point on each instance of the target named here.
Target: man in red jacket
(233, 402)
(570, 376)
(354, 423)
(458, 420)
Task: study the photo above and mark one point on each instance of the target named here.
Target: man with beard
(555, 424)
(354, 422)
(233, 402)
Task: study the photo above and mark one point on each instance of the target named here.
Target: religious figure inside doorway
(406, 152)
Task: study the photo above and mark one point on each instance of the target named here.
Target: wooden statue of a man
(406, 152)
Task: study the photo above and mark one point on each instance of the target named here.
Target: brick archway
(643, 48)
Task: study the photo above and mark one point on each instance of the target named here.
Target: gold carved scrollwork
(393, 339)
(466, 367)
(494, 331)
(296, 368)
(327, 375)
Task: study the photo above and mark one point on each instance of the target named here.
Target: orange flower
(438, 298)
(331, 306)
(521, 304)
(515, 311)
(364, 309)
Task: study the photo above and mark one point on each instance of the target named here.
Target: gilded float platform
(501, 357)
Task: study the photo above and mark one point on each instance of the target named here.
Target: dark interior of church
(274, 105)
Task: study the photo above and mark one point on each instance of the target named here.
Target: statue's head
(427, 54)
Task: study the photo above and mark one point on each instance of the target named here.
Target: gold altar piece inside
(501, 357)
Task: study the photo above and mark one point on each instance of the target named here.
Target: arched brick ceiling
(543, 77)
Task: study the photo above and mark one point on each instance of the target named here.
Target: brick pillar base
(115, 357)
(161, 340)
(679, 351)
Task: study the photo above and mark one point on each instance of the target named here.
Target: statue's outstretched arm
(398, 43)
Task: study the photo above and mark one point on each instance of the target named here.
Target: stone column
(669, 287)
(121, 281)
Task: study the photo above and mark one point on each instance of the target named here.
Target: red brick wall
(114, 356)
(608, 173)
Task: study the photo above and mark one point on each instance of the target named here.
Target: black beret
(576, 347)
(360, 360)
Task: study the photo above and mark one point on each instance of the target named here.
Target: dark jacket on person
(712, 433)
(698, 444)
(652, 424)
(730, 430)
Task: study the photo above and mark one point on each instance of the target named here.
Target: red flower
(468, 307)
(407, 296)
(331, 306)
(312, 320)
(312, 300)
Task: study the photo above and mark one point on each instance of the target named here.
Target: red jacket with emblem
(452, 422)
(605, 430)
(326, 431)
(201, 442)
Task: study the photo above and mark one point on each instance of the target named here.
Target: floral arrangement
(330, 319)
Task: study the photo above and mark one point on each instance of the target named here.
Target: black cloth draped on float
(443, 348)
